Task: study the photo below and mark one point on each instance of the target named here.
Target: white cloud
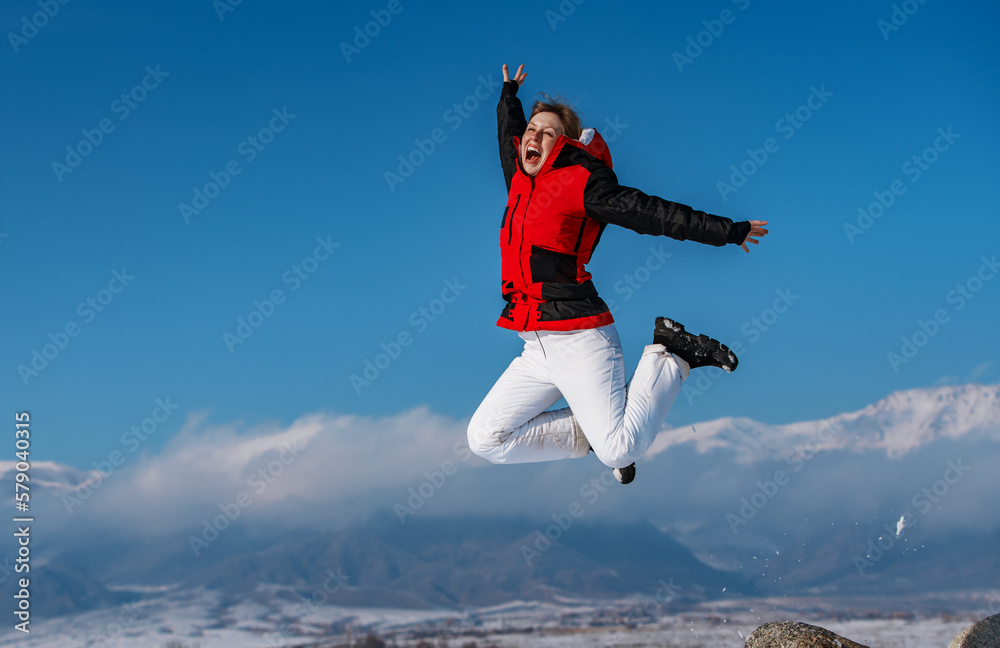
(323, 463)
(329, 469)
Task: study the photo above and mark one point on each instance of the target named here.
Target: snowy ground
(269, 618)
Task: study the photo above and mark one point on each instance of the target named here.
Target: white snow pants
(586, 367)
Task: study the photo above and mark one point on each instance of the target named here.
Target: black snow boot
(696, 350)
(625, 475)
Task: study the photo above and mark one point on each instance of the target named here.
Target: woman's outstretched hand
(756, 230)
(519, 76)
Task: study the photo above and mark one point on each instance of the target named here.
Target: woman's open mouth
(532, 155)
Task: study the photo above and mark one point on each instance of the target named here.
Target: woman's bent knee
(484, 442)
(616, 457)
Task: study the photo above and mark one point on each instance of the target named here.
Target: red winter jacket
(554, 220)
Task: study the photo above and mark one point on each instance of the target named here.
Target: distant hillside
(898, 496)
(452, 562)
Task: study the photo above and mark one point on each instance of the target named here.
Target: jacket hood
(594, 144)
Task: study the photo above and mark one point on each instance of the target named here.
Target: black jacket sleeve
(510, 123)
(608, 202)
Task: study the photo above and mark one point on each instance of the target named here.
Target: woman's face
(538, 140)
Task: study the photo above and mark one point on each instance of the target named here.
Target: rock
(791, 634)
(982, 634)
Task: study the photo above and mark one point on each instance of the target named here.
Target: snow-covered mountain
(898, 424)
(902, 491)
(807, 506)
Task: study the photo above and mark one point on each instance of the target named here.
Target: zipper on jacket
(579, 238)
(527, 206)
(510, 221)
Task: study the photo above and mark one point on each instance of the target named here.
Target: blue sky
(264, 101)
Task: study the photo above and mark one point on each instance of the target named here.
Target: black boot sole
(696, 350)
(625, 475)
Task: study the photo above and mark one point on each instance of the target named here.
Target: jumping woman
(562, 193)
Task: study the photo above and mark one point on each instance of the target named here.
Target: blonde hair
(564, 111)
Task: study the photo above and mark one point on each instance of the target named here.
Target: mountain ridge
(810, 500)
(913, 417)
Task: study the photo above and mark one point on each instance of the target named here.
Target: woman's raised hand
(519, 76)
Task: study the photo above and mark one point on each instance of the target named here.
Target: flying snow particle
(901, 524)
